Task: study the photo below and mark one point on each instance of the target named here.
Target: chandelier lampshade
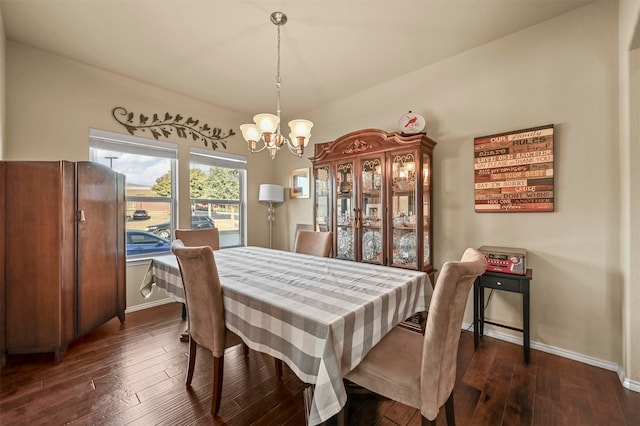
(264, 133)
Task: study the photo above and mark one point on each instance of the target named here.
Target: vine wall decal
(210, 136)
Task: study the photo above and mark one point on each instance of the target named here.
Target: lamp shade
(267, 123)
(271, 193)
(300, 128)
(250, 132)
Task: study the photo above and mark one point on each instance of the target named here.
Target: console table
(506, 282)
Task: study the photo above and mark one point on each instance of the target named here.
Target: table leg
(476, 294)
(184, 337)
(342, 416)
(481, 309)
(525, 324)
(307, 395)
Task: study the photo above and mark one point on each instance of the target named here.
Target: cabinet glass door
(403, 205)
(322, 203)
(426, 206)
(371, 214)
(344, 211)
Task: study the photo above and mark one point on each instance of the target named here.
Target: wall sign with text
(514, 171)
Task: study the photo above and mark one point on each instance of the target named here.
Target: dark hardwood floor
(133, 374)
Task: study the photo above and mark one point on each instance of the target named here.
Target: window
(150, 170)
(218, 194)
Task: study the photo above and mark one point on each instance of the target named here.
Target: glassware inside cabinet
(372, 213)
(345, 235)
(404, 248)
(344, 178)
(403, 204)
(345, 243)
(426, 206)
(345, 214)
(322, 204)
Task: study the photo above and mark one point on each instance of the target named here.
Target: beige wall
(563, 71)
(2, 88)
(54, 101)
(629, 101)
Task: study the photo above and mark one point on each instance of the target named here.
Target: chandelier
(266, 127)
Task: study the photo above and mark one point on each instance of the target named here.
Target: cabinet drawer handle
(81, 217)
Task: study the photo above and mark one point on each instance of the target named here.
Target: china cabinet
(373, 190)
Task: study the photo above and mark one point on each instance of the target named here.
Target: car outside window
(141, 215)
(164, 229)
(145, 243)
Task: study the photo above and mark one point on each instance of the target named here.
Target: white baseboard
(627, 383)
(611, 366)
(148, 305)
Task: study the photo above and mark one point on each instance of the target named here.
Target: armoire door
(39, 255)
(2, 267)
(97, 245)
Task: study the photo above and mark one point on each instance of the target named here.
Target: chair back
(199, 237)
(314, 243)
(442, 334)
(204, 295)
(305, 226)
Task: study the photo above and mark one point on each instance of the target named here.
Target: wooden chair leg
(427, 422)
(192, 360)
(278, 363)
(218, 371)
(448, 407)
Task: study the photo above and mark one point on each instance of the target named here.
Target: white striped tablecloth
(319, 315)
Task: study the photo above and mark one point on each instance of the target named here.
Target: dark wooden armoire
(62, 227)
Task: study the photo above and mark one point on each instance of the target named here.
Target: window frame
(225, 160)
(122, 143)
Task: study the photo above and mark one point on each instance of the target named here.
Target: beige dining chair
(420, 371)
(313, 242)
(299, 226)
(199, 237)
(206, 312)
(195, 238)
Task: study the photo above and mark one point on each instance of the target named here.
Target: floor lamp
(271, 194)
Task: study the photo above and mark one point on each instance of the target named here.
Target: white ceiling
(224, 51)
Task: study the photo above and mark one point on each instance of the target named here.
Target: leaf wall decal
(157, 128)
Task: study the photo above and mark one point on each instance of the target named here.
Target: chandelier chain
(278, 79)
(266, 127)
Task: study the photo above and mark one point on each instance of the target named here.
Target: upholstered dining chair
(199, 237)
(195, 238)
(417, 370)
(206, 311)
(313, 242)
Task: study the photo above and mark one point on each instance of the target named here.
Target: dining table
(319, 315)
